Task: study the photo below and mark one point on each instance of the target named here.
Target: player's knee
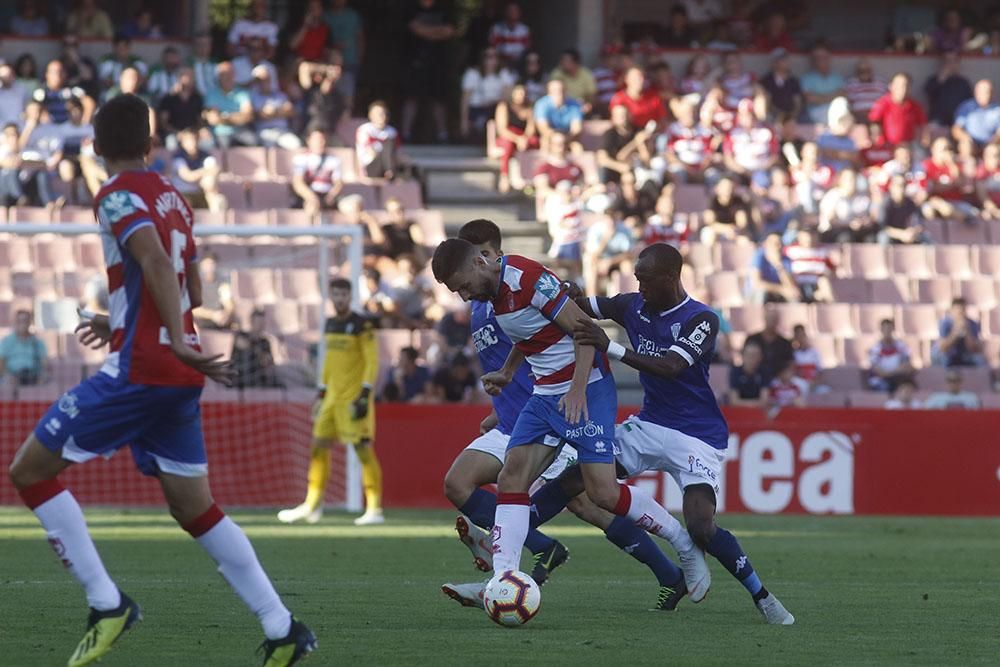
(511, 479)
(604, 496)
(456, 488)
(701, 531)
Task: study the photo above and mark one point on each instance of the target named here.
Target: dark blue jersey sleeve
(611, 308)
(697, 337)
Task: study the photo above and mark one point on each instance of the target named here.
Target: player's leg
(311, 509)
(371, 481)
(699, 516)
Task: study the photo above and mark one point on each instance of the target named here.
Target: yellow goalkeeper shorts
(334, 423)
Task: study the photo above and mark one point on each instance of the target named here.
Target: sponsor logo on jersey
(648, 347)
(600, 447)
(590, 430)
(67, 404)
(699, 468)
(484, 337)
(697, 337)
(117, 205)
(189, 338)
(547, 286)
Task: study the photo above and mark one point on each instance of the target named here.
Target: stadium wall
(803, 461)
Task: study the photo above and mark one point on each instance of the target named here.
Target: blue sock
(536, 542)
(546, 503)
(637, 543)
(481, 507)
(728, 551)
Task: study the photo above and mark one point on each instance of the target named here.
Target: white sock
(510, 527)
(654, 518)
(238, 565)
(66, 529)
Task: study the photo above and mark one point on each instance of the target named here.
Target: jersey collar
(677, 307)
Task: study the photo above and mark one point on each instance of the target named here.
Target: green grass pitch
(863, 590)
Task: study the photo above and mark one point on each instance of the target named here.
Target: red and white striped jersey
(737, 88)
(862, 95)
(527, 303)
(691, 145)
(140, 347)
(784, 394)
(370, 139)
(809, 264)
(510, 41)
(751, 148)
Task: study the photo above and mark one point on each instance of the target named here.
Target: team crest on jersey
(117, 205)
(547, 286)
(675, 329)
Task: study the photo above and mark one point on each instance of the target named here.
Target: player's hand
(572, 289)
(494, 382)
(212, 366)
(359, 408)
(489, 423)
(94, 333)
(586, 332)
(573, 405)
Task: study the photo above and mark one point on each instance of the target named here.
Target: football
(512, 598)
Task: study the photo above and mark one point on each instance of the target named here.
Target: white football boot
(300, 513)
(696, 574)
(370, 518)
(773, 611)
(479, 542)
(467, 595)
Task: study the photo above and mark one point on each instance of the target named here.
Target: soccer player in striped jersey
(573, 400)
(146, 395)
(481, 461)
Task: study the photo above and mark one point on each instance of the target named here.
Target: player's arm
(574, 402)
(695, 339)
(369, 353)
(160, 279)
(193, 280)
(495, 381)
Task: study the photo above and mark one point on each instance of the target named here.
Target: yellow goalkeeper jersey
(351, 356)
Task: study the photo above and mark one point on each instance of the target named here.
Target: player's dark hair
(480, 231)
(257, 312)
(459, 361)
(889, 321)
(665, 258)
(449, 257)
(10, 125)
(121, 38)
(959, 301)
(121, 128)
(340, 283)
(573, 54)
(799, 327)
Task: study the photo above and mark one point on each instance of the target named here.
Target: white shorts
(642, 446)
(494, 443)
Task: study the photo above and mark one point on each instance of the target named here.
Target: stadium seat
(81, 215)
(986, 259)
(724, 289)
(911, 260)
(856, 349)
(850, 290)
(38, 215)
(593, 132)
(870, 315)
(283, 317)
(72, 283)
(236, 194)
(293, 217)
(932, 378)
(6, 307)
(866, 260)
(953, 261)
(690, 198)
(89, 251)
(830, 399)
(266, 194)
(938, 291)
(53, 251)
(310, 316)
(990, 401)
(919, 319)
(249, 162)
(936, 230)
(920, 350)
(867, 399)
(994, 325)
(368, 192)
(736, 256)
(251, 218)
(890, 290)
(834, 318)
(843, 378)
(790, 314)
(432, 224)
(978, 379)
(300, 285)
(407, 192)
(963, 233)
(255, 285)
(701, 258)
(980, 291)
(205, 218)
(527, 163)
(747, 319)
(347, 129)
(829, 349)
(78, 353)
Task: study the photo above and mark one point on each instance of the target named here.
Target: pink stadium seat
(978, 380)
(828, 348)
(850, 290)
(890, 290)
(965, 233)
(920, 350)
(253, 218)
(867, 260)
(283, 317)
(747, 319)
(391, 341)
(432, 224)
(6, 309)
(919, 319)
(830, 399)
(407, 192)
(279, 162)
(736, 256)
(492, 149)
(992, 231)
(269, 194)
(349, 170)
(937, 291)
(593, 132)
(38, 215)
(36, 283)
(994, 326)
(843, 378)
(255, 285)
(235, 193)
(936, 230)
(71, 284)
(987, 260)
(53, 251)
(528, 161)
(700, 257)
(247, 162)
(724, 289)
(81, 215)
(309, 317)
(911, 260)
(89, 251)
(300, 285)
(980, 291)
(868, 399)
(932, 378)
(690, 198)
(790, 314)
(990, 401)
(205, 218)
(3, 215)
(953, 261)
(78, 353)
(870, 315)
(856, 349)
(293, 217)
(347, 128)
(834, 318)
(368, 192)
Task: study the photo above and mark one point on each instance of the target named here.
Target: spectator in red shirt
(948, 183)
(310, 40)
(774, 34)
(902, 118)
(988, 182)
(556, 167)
(644, 105)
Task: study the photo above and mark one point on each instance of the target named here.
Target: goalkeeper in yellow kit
(345, 410)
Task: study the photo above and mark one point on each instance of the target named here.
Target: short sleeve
(547, 294)
(470, 80)
(43, 351)
(697, 337)
(123, 213)
(612, 308)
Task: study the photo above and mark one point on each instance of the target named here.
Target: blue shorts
(541, 421)
(101, 415)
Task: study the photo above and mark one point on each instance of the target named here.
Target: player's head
(905, 390)
(957, 310)
(340, 295)
(458, 265)
(408, 358)
(378, 113)
(485, 235)
(658, 271)
(121, 129)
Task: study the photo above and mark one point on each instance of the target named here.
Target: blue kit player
(146, 396)
(680, 429)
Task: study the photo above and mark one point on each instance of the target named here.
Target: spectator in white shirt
(904, 397)
(863, 90)
(255, 25)
(243, 66)
(483, 87)
(889, 360)
(955, 397)
(845, 213)
(377, 144)
(786, 389)
(811, 266)
(808, 363)
(316, 175)
(272, 109)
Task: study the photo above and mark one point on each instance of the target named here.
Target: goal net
(258, 434)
